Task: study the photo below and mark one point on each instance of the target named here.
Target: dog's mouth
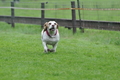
(52, 29)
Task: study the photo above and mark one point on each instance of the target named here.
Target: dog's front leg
(45, 47)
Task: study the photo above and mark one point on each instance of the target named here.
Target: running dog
(50, 36)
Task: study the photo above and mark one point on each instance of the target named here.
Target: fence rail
(117, 9)
(65, 22)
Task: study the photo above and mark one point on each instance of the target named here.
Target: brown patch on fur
(57, 26)
(45, 26)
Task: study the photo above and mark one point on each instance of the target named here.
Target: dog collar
(50, 35)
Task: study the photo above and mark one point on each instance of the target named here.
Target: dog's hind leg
(54, 47)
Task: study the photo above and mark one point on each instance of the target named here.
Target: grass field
(93, 55)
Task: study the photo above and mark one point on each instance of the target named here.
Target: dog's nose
(52, 26)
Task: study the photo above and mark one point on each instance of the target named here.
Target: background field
(111, 15)
(93, 55)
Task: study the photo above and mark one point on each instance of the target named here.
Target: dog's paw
(52, 50)
(49, 50)
(46, 51)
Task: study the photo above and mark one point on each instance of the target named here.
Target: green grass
(93, 55)
(112, 15)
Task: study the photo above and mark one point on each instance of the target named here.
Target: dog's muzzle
(53, 28)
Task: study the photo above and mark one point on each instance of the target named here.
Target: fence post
(80, 24)
(42, 15)
(78, 5)
(12, 15)
(73, 16)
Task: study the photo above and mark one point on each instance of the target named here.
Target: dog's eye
(49, 23)
(54, 23)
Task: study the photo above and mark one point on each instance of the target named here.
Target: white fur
(53, 38)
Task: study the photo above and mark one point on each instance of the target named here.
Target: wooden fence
(68, 23)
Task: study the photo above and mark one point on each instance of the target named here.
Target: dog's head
(51, 26)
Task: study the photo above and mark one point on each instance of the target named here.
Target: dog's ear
(45, 26)
(57, 26)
